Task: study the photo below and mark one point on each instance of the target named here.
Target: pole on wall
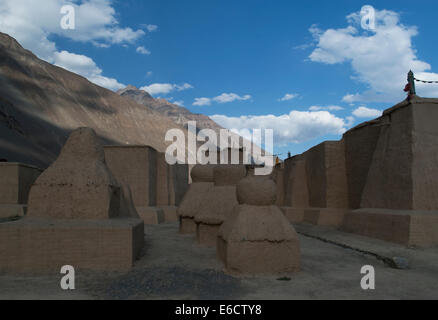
(411, 81)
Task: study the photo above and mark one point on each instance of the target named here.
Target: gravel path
(173, 266)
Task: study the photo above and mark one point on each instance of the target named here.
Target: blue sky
(306, 69)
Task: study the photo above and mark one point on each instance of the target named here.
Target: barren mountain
(177, 113)
(40, 104)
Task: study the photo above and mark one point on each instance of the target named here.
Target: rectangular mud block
(407, 227)
(12, 210)
(296, 193)
(15, 182)
(151, 215)
(360, 143)
(172, 182)
(330, 217)
(403, 171)
(135, 166)
(170, 214)
(326, 175)
(187, 225)
(254, 257)
(207, 234)
(45, 245)
(294, 215)
(178, 183)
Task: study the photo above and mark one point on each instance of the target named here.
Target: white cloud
(230, 97)
(223, 98)
(33, 25)
(179, 103)
(329, 108)
(143, 50)
(350, 98)
(295, 127)
(288, 96)
(349, 121)
(85, 67)
(165, 88)
(184, 86)
(151, 27)
(380, 59)
(364, 112)
(202, 102)
(158, 88)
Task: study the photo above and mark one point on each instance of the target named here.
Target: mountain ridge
(179, 114)
(40, 104)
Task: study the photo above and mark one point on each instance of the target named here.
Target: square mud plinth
(45, 245)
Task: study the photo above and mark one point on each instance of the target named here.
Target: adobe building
(327, 184)
(278, 177)
(257, 238)
(218, 203)
(202, 182)
(78, 215)
(172, 184)
(137, 167)
(315, 185)
(378, 181)
(398, 199)
(15, 182)
(296, 193)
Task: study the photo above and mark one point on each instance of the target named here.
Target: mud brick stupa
(257, 238)
(78, 214)
(218, 203)
(202, 182)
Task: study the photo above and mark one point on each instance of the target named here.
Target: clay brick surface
(413, 228)
(136, 166)
(45, 245)
(16, 181)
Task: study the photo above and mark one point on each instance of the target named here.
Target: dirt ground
(173, 266)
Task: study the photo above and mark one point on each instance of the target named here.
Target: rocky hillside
(40, 104)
